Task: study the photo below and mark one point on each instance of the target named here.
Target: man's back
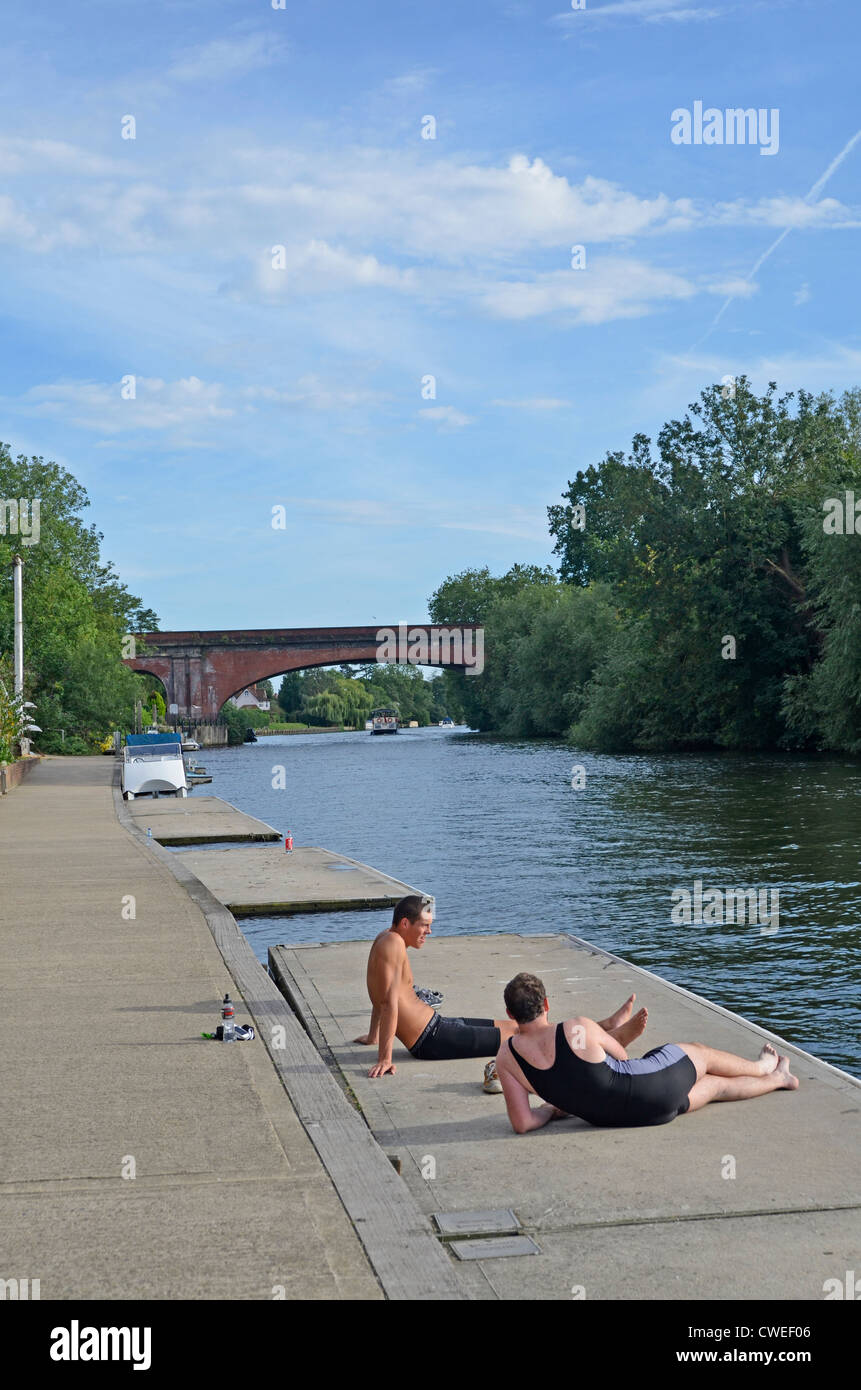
(389, 973)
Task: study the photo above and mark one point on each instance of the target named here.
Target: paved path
(759, 1199)
(103, 1065)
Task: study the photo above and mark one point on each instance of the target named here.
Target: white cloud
(647, 11)
(738, 287)
(454, 513)
(313, 393)
(318, 267)
(536, 403)
(23, 156)
(221, 59)
(158, 405)
(353, 217)
(609, 289)
(410, 83)
(801, 295)
(784, 212)
(446, 417)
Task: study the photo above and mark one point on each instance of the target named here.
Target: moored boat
(153, 764)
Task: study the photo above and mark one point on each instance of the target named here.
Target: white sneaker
(492, 1083)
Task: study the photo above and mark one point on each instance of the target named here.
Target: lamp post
(17, 570)
(21, 705)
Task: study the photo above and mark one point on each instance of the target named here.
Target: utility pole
(17, 569)
(17, 576)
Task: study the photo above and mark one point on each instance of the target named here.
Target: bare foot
(767, 1059)
(367, 1040)
(790, 1082)
(621, 1015)
(627, 1032)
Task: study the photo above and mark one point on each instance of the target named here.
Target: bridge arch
(201, 670)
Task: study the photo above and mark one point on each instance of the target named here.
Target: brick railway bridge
(201, 670)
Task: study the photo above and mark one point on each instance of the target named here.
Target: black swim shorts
(446, 1039)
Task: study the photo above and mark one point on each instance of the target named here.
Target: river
(496, 832)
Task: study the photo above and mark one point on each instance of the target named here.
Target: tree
(76, 612)
(701, 542)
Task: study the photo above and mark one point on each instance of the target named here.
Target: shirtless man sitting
(397, 1011)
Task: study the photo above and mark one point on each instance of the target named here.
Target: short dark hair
(411, 907)
(524, 997)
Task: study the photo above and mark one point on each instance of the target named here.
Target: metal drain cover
(494, 1248)
(499, 1221)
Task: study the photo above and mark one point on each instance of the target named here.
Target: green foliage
(324, 697)
(715, 532)
(823, 706)
(469, 597)
(544, 639)
(76, 612)
(9, 721)
(719, 533)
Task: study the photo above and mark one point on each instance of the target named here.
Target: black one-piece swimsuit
(648, 1090)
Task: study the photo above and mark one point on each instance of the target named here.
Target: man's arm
(373, 1033)
(523, 1118)
(611, 1045)
(385, 987)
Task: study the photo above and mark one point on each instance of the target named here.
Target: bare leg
(627, 1032)
(710, 1088)
(507, 1028)
(620, 1016)
(622, 1026)
(709, 1061)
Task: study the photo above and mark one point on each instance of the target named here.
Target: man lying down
(579, 1068)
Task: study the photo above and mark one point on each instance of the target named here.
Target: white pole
(18, 565)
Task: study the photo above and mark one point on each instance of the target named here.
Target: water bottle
(149, 832)
(227, 1033)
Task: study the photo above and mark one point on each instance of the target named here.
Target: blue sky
(403, 257)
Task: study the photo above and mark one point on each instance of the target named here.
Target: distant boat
(385, 720)
(250, 736)
(447, 723)
(153, 763)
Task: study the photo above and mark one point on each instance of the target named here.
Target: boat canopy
(134, 739)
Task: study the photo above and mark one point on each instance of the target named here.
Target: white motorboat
(153, 765)
(385, 720)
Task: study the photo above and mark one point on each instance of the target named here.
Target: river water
(496, 832)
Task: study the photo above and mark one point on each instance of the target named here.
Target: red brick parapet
(201, 670)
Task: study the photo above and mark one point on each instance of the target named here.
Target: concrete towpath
(759, 1199)
(105, 1074)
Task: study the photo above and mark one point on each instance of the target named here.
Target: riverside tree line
(736, 523)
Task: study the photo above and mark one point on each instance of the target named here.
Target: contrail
(808, 198)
